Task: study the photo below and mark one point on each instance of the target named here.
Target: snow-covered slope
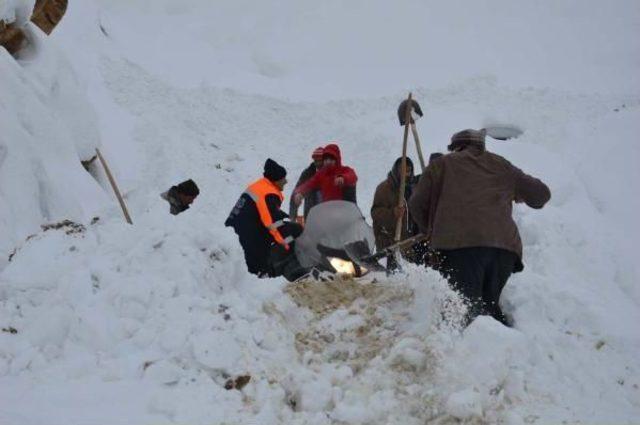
(146, 323)
(47, 126)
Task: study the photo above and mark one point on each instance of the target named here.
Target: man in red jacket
(334, 180)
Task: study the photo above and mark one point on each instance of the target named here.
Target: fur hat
(466, 138)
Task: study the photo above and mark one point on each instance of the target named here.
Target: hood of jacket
(395, 173)
(334, 151)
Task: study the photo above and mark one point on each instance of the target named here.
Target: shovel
(503, 132)
(360, 253)
(412, 115)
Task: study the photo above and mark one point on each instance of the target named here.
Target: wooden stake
(403, 168)
(114, 186)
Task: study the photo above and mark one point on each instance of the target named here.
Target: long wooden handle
(403, 168)
(418, 147)
(397, 245)
(114, 186)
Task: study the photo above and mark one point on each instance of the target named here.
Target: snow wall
(47, 127)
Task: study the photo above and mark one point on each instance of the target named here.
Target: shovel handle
(414, 130)
(388, 250)
(403, 169)
(114, 186)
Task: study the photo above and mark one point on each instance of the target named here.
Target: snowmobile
(336, 241)
(319, 252)
(329, 227)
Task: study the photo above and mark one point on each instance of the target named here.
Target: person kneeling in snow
(335, 181)
(180, 197)
(463, 203)
(259, 222)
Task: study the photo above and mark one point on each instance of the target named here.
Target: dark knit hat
(188, 187)
(467, 138)
(274, 171)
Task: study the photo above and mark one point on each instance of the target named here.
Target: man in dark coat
(312, 198)
(385, 212)
(181, 196)
(463, 203)
(259, 222)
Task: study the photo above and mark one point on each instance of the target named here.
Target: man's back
(465, 200)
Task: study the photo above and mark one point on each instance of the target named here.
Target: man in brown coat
(385, 212)
(463, 202)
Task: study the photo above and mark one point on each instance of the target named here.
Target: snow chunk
(218, 350)
(465, 404)
(18, 11)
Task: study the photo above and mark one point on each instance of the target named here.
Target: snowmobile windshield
(332, 224)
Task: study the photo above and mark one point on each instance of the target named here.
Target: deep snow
(144, 323)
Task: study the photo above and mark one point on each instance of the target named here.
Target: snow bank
(47, 128)
(97, 307)
(124, 307)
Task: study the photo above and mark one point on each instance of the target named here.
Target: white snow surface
(47, 126)
(144, 324)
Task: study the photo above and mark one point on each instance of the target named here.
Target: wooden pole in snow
(114, 186)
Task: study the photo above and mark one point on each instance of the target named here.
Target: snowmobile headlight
(342, 266)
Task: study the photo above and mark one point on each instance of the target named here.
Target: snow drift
(48, 127)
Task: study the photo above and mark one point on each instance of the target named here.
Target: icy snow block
(332, 224)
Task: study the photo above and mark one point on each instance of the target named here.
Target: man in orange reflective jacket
(259, 222)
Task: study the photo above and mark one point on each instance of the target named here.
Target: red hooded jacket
(324, 179)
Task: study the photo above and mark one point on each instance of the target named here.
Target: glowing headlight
(342, 267)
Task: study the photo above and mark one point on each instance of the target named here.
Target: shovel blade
(360, 253)
(503, 132)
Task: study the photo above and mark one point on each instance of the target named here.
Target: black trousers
(479, 274)
(256, 255)
(285, 263)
